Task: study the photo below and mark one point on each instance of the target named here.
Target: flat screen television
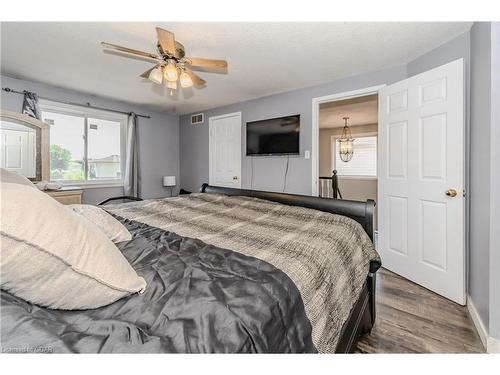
(277, 136)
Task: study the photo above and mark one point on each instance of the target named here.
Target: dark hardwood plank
(412, 319)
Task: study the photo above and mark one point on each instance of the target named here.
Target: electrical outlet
(307, 154)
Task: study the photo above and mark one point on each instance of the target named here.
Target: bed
(228, 270)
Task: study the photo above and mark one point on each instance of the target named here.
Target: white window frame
(86, 112)
(333, 148)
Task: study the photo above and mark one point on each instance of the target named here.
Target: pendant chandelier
(346, 149)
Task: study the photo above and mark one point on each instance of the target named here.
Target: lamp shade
(168, 180)
(170, 72)
(156, 76)
(185, 80)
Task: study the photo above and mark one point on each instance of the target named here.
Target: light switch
(307, 154)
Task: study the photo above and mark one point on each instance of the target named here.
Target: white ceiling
(361, 111)
(264, 58)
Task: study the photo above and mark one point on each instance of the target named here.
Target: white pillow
(14, 178)
(53, 257)
(111, 227)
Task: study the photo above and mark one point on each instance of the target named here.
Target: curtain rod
(87, 105)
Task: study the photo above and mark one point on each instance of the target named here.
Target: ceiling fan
(172, 66)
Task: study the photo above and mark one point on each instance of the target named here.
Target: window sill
(86, 185)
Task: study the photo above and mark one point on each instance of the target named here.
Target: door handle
(451, 193)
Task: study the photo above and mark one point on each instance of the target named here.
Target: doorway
(325, 101)
(420, 177)
(356, 172)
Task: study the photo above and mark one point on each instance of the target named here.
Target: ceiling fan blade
(131, 51)
(167, 41)
(198, 63)
(197, 81)
(148, 72)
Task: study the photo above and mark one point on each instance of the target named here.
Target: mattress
(326, 256)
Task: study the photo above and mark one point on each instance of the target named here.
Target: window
(87, 146)
(364, 160)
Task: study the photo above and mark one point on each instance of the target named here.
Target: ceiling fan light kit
(171, 63)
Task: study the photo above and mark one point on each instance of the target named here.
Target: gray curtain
(132, 181)
(31, 106)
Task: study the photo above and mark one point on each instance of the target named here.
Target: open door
(421, 179)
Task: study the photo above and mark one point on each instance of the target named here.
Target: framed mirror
(24, 145)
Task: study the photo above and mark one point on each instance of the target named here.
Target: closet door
(225, 150)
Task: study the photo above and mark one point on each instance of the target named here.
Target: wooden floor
(412, 319)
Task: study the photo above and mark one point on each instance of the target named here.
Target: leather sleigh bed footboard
(362, 316)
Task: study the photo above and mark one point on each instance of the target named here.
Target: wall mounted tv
(277, 136)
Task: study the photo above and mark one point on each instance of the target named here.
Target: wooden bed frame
(362, 316)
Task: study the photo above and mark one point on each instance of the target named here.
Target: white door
(421, 166)
(225, 150)
(17, 151)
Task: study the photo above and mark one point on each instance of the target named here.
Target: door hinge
(464, 193)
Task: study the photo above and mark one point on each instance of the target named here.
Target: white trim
(315, 125)
(210, 152)
(478, 323)
(224, 116)
(82, 110)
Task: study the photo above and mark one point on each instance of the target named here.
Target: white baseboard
(491, 344)
(476, 319)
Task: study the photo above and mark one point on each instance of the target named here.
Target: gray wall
(454, 49)
(495, 184)
(480, 93)
(158, 136)
(269, 172)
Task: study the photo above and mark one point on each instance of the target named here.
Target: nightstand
(67, 194)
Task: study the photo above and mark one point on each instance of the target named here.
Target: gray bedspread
(327, 256)
(199, 298)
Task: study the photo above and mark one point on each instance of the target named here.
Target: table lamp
(169, 181)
